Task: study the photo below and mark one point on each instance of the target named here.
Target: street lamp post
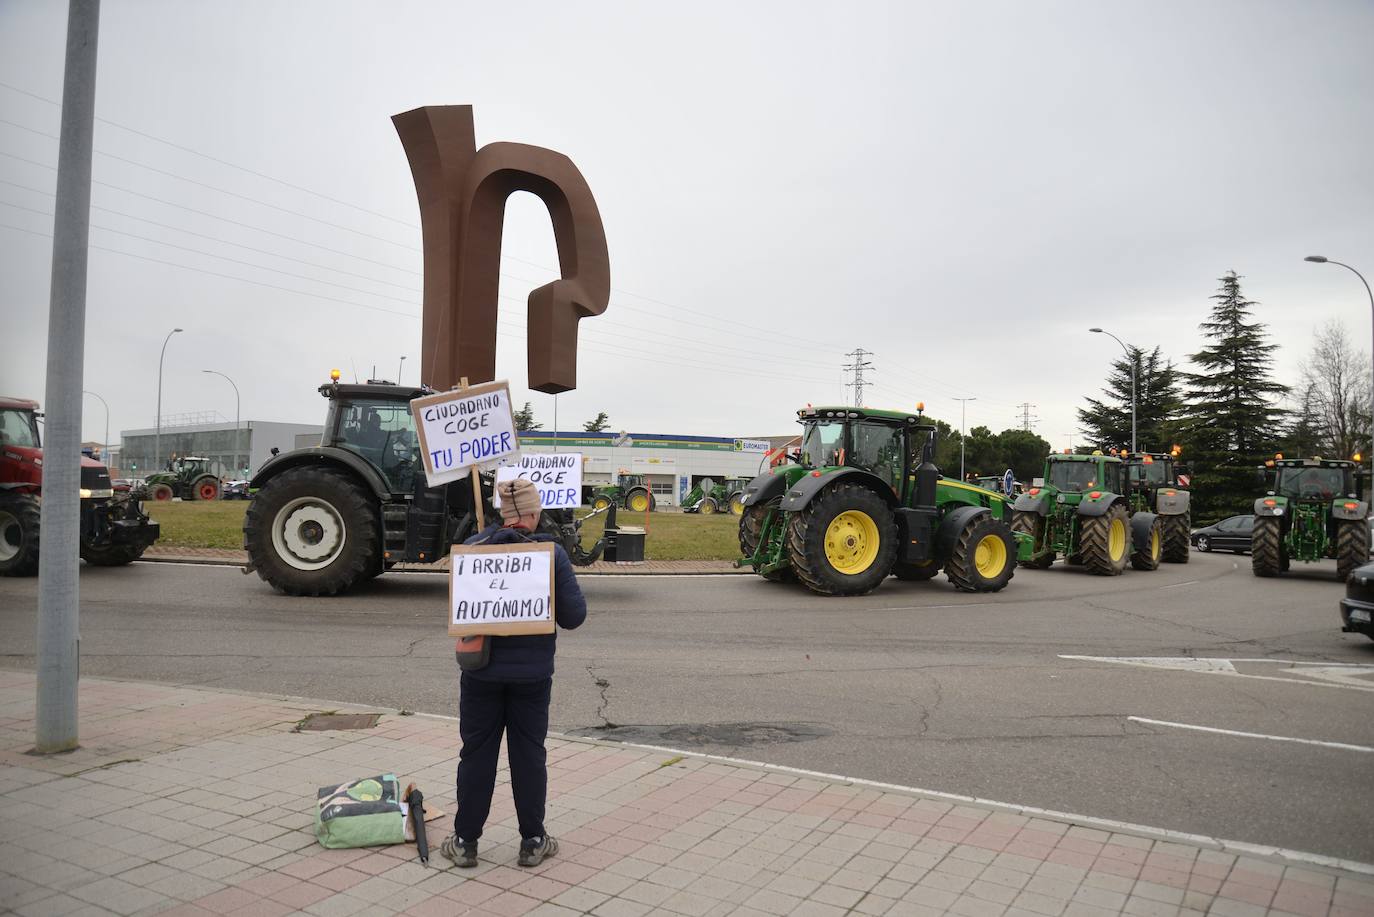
(105, 444)
(237, 438)
(399, 367)
(963, 407)
(157, 436)
(1321, 259)
(1130, 357)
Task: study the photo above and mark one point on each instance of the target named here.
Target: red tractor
(114, 530)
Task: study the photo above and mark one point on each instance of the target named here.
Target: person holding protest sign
(508, 689)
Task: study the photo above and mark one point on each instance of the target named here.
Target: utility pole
(857, 368)
(59, 595)
(1026, 418)
(963, 406)
(1070, 436)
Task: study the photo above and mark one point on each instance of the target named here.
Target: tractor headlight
(1278, 511)
(89, 494)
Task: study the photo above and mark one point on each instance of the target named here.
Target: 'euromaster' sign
(462, 429)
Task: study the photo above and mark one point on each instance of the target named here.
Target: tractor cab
(887, 444)
(1072, 476)
(1313, 480)
(188, 465)
(632, 480)
(373, 420)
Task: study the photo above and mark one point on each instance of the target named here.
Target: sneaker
(533, 850)
(463, 855)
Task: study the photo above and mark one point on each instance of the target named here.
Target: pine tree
(597, 424)
(1159, 405)
(1232, 422)
(524, 419)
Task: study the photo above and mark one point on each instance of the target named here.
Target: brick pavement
(187, 801)
(172, 554)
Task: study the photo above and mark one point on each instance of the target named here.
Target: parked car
(1231, 534)
(1357, 608)
(234, 490)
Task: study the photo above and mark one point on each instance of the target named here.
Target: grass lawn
(672, 536)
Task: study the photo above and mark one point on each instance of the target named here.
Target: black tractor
(328, 517)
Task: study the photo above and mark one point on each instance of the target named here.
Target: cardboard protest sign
(557, 476)
(462, 429)
(501, 589)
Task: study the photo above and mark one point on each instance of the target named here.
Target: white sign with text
(462, 429)
(501, 589)
(557, 475)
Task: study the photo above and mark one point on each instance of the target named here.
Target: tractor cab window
(823, 444)
(1155, 472)
(1113, 478)
(878, 449)
(1313, 483)
(383, 432)
(16, 429)
(1074, 477)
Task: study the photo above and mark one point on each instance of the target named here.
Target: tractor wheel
(843, 542)
(312, 531)
(707, 507)
(1149, 558)
(1033, 524)
(205, 488)
(1105, 542)
(639, 500)
(1266, 546)
(1352, 547)
(915, 573)
(1176, 531)
(600, 503)
(1074, 560)
(19, 519)
(984, 556)
(160, 493)
(111, 555)
(737, 504)
(750, 527)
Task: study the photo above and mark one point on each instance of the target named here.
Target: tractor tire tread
(1142, 560)
(1031, 524)
(27, 510)
(962, 569)
(1352, 547)
(1095, 542)
(1266, 546)
(1176, 532)
(806, 544)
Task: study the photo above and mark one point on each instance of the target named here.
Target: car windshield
(822, 444)
(16, 429)
(1313, 483)
(1074, 476)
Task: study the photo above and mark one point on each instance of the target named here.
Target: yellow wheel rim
(600, 503)
(639, 503)
(851, 542)
(737, 507)
(990, 557)
(707, 507)
(1116, 540)
(1154, 544)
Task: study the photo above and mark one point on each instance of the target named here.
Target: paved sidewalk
(195, 802)
(229, 556)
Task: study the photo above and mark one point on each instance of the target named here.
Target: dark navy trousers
(485, 710)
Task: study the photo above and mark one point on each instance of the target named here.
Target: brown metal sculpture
(462, 192)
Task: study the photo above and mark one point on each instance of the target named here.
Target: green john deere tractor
(630, 491)
(709, 498)
(862, 499)
(1080, 511)
(1312, 510)
(1157, 484)
(188, 477)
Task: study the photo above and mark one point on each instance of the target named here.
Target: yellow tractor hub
(851, 542)
(1116, 540)
(1155, 548)
(639, 502)
(990, 557)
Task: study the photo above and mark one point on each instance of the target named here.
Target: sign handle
(476, 482)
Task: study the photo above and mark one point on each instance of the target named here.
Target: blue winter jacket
(530, 657)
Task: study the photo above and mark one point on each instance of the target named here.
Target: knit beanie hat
(519, 497)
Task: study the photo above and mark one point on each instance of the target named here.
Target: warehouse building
(232, 453)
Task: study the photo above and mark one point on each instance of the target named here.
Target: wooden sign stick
(476, 482)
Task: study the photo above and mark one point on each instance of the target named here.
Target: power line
(857, 368)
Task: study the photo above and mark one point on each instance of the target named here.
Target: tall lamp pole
(157, 437)
(963, 406)
(237, 438)
(400, 366)
(1131, 358)
(1320, 259)
(105, 444)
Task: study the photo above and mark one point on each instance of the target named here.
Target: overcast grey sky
(962, 189)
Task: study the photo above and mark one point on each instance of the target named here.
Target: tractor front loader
(862, 500)
(1157, 485)
(1079, 511)
(1312, 511)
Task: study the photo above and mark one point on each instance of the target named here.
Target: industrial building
(233, 453)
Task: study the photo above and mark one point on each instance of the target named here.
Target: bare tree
(1335, 385)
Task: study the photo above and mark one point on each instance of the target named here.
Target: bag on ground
(361, 813)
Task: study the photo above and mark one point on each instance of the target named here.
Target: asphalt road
(915, 684)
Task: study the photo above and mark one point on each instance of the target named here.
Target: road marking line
(1162, 664)
(1191, 582)
(1251, 735)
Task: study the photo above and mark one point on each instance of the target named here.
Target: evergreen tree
(1159, 404)
(524, 419)
(1232, 422)
(597, 424)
